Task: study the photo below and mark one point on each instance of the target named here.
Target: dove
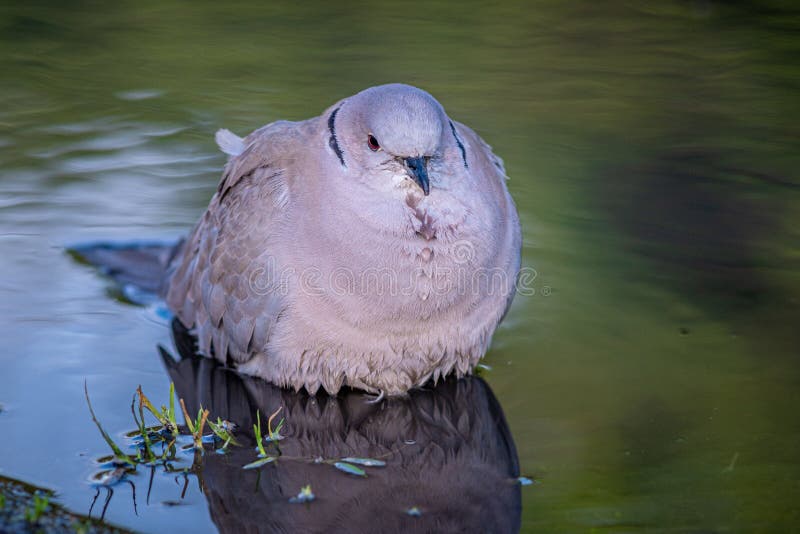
(373, 247)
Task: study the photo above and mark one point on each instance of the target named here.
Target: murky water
(652, 379)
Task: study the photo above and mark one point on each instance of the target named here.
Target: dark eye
(373, 143)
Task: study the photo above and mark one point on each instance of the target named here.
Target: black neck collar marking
(332, 141)
(460, 145)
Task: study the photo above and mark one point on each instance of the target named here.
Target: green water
(651, 383)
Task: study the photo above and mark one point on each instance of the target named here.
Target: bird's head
(388, 136)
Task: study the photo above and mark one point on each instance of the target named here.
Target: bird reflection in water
(450, 461)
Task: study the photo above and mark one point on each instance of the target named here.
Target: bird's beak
(418, 170)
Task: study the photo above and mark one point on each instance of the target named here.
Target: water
(651, 382)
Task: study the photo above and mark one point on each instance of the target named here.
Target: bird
(375, 247)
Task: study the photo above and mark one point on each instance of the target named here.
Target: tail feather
(138, 265)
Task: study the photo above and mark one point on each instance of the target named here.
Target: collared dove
(375, 246)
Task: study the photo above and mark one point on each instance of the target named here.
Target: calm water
(652, 382)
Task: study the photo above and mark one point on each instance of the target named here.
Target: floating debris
(350, 468)
(139, 94)
(732, 464)
(369, 462)
(260, 462)
(110, 477)
(305, 495)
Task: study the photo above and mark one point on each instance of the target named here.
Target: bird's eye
(372, 143)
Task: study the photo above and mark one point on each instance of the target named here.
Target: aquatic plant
(275, 435)
(167, 414)
(224, 430)
(272, 436)
(259, 440)
(41, 501)
(196, 426)
(158, 445)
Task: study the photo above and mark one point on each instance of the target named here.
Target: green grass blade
(368, 462)
(172, 404)
(259, 462)
(114, 447)
(350, 468)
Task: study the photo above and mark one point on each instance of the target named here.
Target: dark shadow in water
(448, 453)
(700, 220)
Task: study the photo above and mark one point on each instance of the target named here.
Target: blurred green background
(651, 383)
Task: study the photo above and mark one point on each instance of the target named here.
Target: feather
(229, 142)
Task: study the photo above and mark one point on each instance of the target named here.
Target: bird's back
(213, 283)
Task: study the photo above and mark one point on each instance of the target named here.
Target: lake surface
(652, 380)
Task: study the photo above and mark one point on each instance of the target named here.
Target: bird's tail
(139, 268)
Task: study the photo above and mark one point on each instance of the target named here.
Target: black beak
(418, 169)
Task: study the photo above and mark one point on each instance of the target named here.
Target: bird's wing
(225, 283)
